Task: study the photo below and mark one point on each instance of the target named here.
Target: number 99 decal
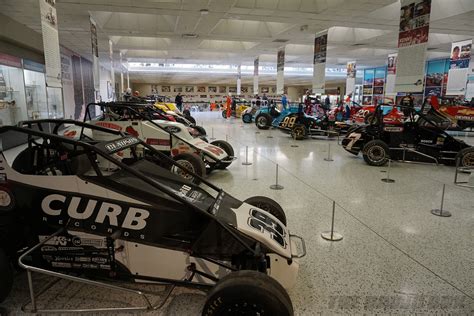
(288, 122)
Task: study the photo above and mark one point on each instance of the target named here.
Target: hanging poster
(280, 70)
(255, 75)
(95, 55)
(49, 28)
(412, 43)
(391, 73)
(459, 67)
(350, 80)
(319, 62)
(434, 77)
(239, 75)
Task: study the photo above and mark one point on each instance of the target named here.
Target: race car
(301, 125)
(460, 113)
(240, 106)
(270, 116)
(65, 213)
(164, 103)
(419, 137)
(169, 137)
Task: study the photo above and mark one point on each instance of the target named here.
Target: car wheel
(228, 150)
(298, 132)
(191, 162)
(248, 293)
(466, 157)
(247, 118)
(224, 114)
(269, 206)
(6, 276)
(200, 129)
(191, 119)
(370, 119)
(263, 121)
(376, 153)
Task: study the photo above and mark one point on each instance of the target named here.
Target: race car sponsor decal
(120, 144)
(354, 137)
(393, 128)
(217, 203)
(260, 221)
(157, 142)
(426, 141)
(464, 118)
(93, 215)
(109, 125)
(172, 129)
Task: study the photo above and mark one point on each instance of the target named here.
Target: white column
(239, 77)
(255, 75)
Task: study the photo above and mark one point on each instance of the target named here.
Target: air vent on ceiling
(189, 35)
(280, 40)
(177, 57)
(432, 48)
(358, 44)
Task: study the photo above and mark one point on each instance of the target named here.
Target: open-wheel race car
(77, 209)
(270, 116)
(301, 125)
(418, 136)
(240, 106)
(171, 138)
(460, 113)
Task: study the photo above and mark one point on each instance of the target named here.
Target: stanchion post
(387, 179)
(332, 235)
(246, 163)
(276, 186)
(440, 211)
(329, 154)
(212, 133)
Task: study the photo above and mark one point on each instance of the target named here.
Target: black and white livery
(91, 210)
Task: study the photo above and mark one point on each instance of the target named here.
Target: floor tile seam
(367, 226)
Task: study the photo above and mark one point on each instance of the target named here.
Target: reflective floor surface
(395, 256)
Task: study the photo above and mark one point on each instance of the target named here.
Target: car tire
(193, 163)
(228, 150)
(224, 114)
(186, 113)
(191, 119)
(298, 132)
(248, 293)
(6, 276)
(200, 129)
(263, 121)
(247, 118)
(466, 157)
(269, 206)
(376, 153)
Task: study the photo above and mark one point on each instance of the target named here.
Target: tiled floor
(395, 258)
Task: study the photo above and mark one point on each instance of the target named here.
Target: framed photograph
(165, 89)
(222, 89)
(203, 96)
(212, 89)
(178, 89)
(233, 89)
(264, 89)
(201, 89)
(189, 89)
(244, 90)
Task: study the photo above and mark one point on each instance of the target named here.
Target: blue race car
(270, 116)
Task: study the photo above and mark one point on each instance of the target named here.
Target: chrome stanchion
(246, 163)
(212, 134)
(329, 154)
(387, 179)
(332, 235)
(276, 186)
(440, 211)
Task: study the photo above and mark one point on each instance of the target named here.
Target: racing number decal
(288, 122)
(263, 223)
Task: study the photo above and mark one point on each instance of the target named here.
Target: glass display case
(12, 96)
(55, 103)
(35, 90)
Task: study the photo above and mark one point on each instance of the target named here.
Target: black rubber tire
(191, 119)
(298, 132)
(228, 150)
(195, 163)
(186, 113)
(248, 293)
(224, 114)
(263, 121)
(269, 206)
(466, 157)
(247, 118)
(375, 147)
(200, 129)
(6, 276)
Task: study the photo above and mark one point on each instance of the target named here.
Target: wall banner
(391, 74)
(52, 56)
(319, 61)
(280, 70)
(459, 67)
(112, 71)
(95, 55)
(122, 88)
(255, 75)
(239, 76)
(351, 76)
(412, 43)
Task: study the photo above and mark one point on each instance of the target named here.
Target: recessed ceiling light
(204, 11)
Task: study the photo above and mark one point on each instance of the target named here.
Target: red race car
(458, 112)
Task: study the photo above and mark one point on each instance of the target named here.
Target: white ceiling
(237, 31)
